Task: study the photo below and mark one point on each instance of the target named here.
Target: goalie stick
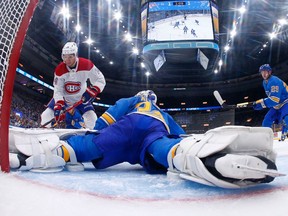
(234, 106)
(62, 114)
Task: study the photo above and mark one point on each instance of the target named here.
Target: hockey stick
(62, 114)
(224, 105)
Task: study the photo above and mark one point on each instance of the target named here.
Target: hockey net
(14, 20)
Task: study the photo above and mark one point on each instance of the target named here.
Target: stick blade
(218, 97)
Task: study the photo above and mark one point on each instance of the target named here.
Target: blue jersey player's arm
(122, 107)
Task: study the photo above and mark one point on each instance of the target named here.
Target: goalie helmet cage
(14, 21)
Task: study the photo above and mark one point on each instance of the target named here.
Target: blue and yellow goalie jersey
(136, 104)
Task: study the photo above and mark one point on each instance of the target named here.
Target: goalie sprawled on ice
(140, 133)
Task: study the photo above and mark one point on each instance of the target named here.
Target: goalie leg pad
(40, 151)
(187, 157)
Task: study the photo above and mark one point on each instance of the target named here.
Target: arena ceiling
(114, 56)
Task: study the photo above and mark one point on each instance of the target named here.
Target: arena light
(282, 22)
(220, 62)
(135, 51)
(65, 12)
(233, 33)
(89, 41)
(272, 35)
(128, 37)
(242, 10)
(78, 28)
(226, 48)
(118, 15)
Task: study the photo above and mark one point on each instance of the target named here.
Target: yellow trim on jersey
(108, 118)
(156, 115)
(275, 99)
(66, 155)
(281, 105)
(145, 108)
(173, 152)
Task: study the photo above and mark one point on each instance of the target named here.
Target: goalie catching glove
(90, 94)
(227, 157)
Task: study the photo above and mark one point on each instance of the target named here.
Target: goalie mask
(148, 95)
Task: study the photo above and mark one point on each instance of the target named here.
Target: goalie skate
(246, 167)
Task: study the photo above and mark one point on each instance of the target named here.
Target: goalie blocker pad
(242, 167)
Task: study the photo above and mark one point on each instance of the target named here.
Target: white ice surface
(128, 190)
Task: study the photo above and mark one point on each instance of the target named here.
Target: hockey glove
(90, 94)
(259, 104)
(58, 108)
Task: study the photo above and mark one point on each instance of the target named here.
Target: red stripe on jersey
(61, 69)
(85, 64)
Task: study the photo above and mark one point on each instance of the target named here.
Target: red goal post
(14, 21)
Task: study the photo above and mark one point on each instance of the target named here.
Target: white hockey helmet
(70, 48)
(148, 95)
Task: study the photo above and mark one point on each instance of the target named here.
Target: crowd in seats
(25, 112)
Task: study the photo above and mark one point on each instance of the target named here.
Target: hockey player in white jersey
(70, 86)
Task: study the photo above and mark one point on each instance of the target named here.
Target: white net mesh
(11, 15)
(14, 20)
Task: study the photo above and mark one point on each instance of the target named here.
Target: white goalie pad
(40, 145)
(36, 132)
(234, 140)
(256, 141)
(39, 148)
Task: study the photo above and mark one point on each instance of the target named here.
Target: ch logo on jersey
(72, 87)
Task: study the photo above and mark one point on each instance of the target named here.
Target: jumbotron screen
(177, 21)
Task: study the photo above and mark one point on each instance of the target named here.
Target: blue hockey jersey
(276, 91)
(136, 104)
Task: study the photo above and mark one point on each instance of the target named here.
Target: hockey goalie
(227, 157)
(136, 131)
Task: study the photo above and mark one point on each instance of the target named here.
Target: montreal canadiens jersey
(136, 104)
(277, 92)
(70, 84)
